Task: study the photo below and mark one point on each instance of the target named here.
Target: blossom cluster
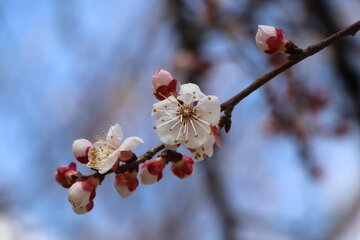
(184, 115)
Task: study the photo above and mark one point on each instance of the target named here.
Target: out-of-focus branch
(193, 43)
(321, 13)
(217, 191)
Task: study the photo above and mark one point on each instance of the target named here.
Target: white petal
(208, 109)
(130, 143)
(206, 149)
(200, 137)
(166, 135)
(266, 30)
(115, 135)
(209, 146)
(107, 163)
(166, 107)
(263, 46)
(171, 147)
(99, 154)
(190, 93)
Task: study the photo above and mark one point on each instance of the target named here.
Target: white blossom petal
(166, 107)
(95, 152)
(172, 147)
(268, 31)
(130, 143)
(206, 149)
(107, 163)
(194, 139)
(208, 109)
(263, 46)
(190, 93)
(115, 135)
(166, 135)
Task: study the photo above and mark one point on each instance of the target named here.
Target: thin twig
(311, 50)
(143, 158)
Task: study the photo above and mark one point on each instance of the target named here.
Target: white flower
(105, 153)
(188, 118)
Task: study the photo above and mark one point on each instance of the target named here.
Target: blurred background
(289, 168)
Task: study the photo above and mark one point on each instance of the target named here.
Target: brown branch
(232, 102)
(143, 158)
(311, 50)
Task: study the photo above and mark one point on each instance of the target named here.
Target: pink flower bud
(81, 195)
(151, 171)
(126, 183)
(184, 167)
(270, 39)
(164, 85)
(64, 175)
(80, 149)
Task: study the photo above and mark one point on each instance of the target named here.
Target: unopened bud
(270, 39)
(184, 167)
(82, 194)
(80, 149)
(164, 85)
(126, 183)
(151, 171)
(64, 175)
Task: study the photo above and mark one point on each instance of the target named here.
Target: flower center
(187, 112)
(185, 121)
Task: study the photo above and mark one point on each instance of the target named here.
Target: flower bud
(64, 175)
(81, 195)
(164, 85)
(80, 149)
(126, 183)
(270, 39)
(184, 167)
(151, 171)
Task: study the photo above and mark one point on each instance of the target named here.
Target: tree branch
(232, 102)
(311, 50)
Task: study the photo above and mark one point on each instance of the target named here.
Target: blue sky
(67, 66)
